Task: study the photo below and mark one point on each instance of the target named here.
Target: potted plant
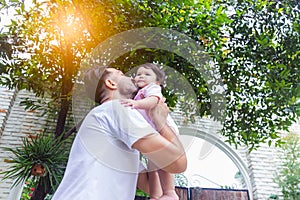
(41, 159)
(141, 195)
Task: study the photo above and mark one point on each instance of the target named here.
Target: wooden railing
(195, 193)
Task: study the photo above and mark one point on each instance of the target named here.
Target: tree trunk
(66, 90)
(42, 189)
(62, 115)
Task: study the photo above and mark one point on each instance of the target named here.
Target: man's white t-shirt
(102, 164)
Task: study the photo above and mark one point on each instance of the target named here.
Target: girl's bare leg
(168, 187)
(154, 182)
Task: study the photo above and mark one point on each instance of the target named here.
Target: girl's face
(144, 77)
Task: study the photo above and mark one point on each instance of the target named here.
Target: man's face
(125, 84)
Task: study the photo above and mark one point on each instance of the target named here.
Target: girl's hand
(129, 103)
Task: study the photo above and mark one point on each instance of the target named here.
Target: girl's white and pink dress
(153, 90)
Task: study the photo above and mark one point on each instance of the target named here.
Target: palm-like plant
(42, 158)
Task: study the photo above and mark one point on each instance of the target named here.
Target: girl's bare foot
(169, 195)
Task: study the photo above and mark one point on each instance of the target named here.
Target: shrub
(288, 178)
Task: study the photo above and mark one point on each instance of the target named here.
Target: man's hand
(165, 149)
(158, 115)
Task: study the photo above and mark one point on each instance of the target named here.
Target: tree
(253, 45)
(5, 52)
(262, 70)
(288, 178)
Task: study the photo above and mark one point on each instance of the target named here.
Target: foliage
(297, 103)
(260, 60)
(180, 180)
(273, 196)
(5, 53)
(141, 193)
(48, 42)
(42, 150)
(288, 178)
(254, 45)
(28, 189)
(192, 20)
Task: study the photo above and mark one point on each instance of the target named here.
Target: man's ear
(110, 84)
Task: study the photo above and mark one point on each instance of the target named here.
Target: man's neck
(113, 96)
(105, 100)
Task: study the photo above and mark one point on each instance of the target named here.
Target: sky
(7, 15)
(4, 20)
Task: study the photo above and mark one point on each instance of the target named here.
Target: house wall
(17, 123)
(262, 163)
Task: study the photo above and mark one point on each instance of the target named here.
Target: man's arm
(165, 149)
(167, 155)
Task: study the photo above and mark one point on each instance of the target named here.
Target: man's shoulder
(107, 105)
(113, 107)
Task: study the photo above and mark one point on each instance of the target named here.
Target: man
(104, 158)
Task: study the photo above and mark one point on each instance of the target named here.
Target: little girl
(149, 78)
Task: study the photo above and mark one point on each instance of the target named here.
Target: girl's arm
(146, 103)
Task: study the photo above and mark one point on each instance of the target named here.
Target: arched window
(212, 163)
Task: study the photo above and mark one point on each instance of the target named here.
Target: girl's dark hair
(160, 74)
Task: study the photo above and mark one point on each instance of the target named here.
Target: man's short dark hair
(94, 83)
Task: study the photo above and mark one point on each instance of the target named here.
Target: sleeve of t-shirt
(131, 125)
(153, 90)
